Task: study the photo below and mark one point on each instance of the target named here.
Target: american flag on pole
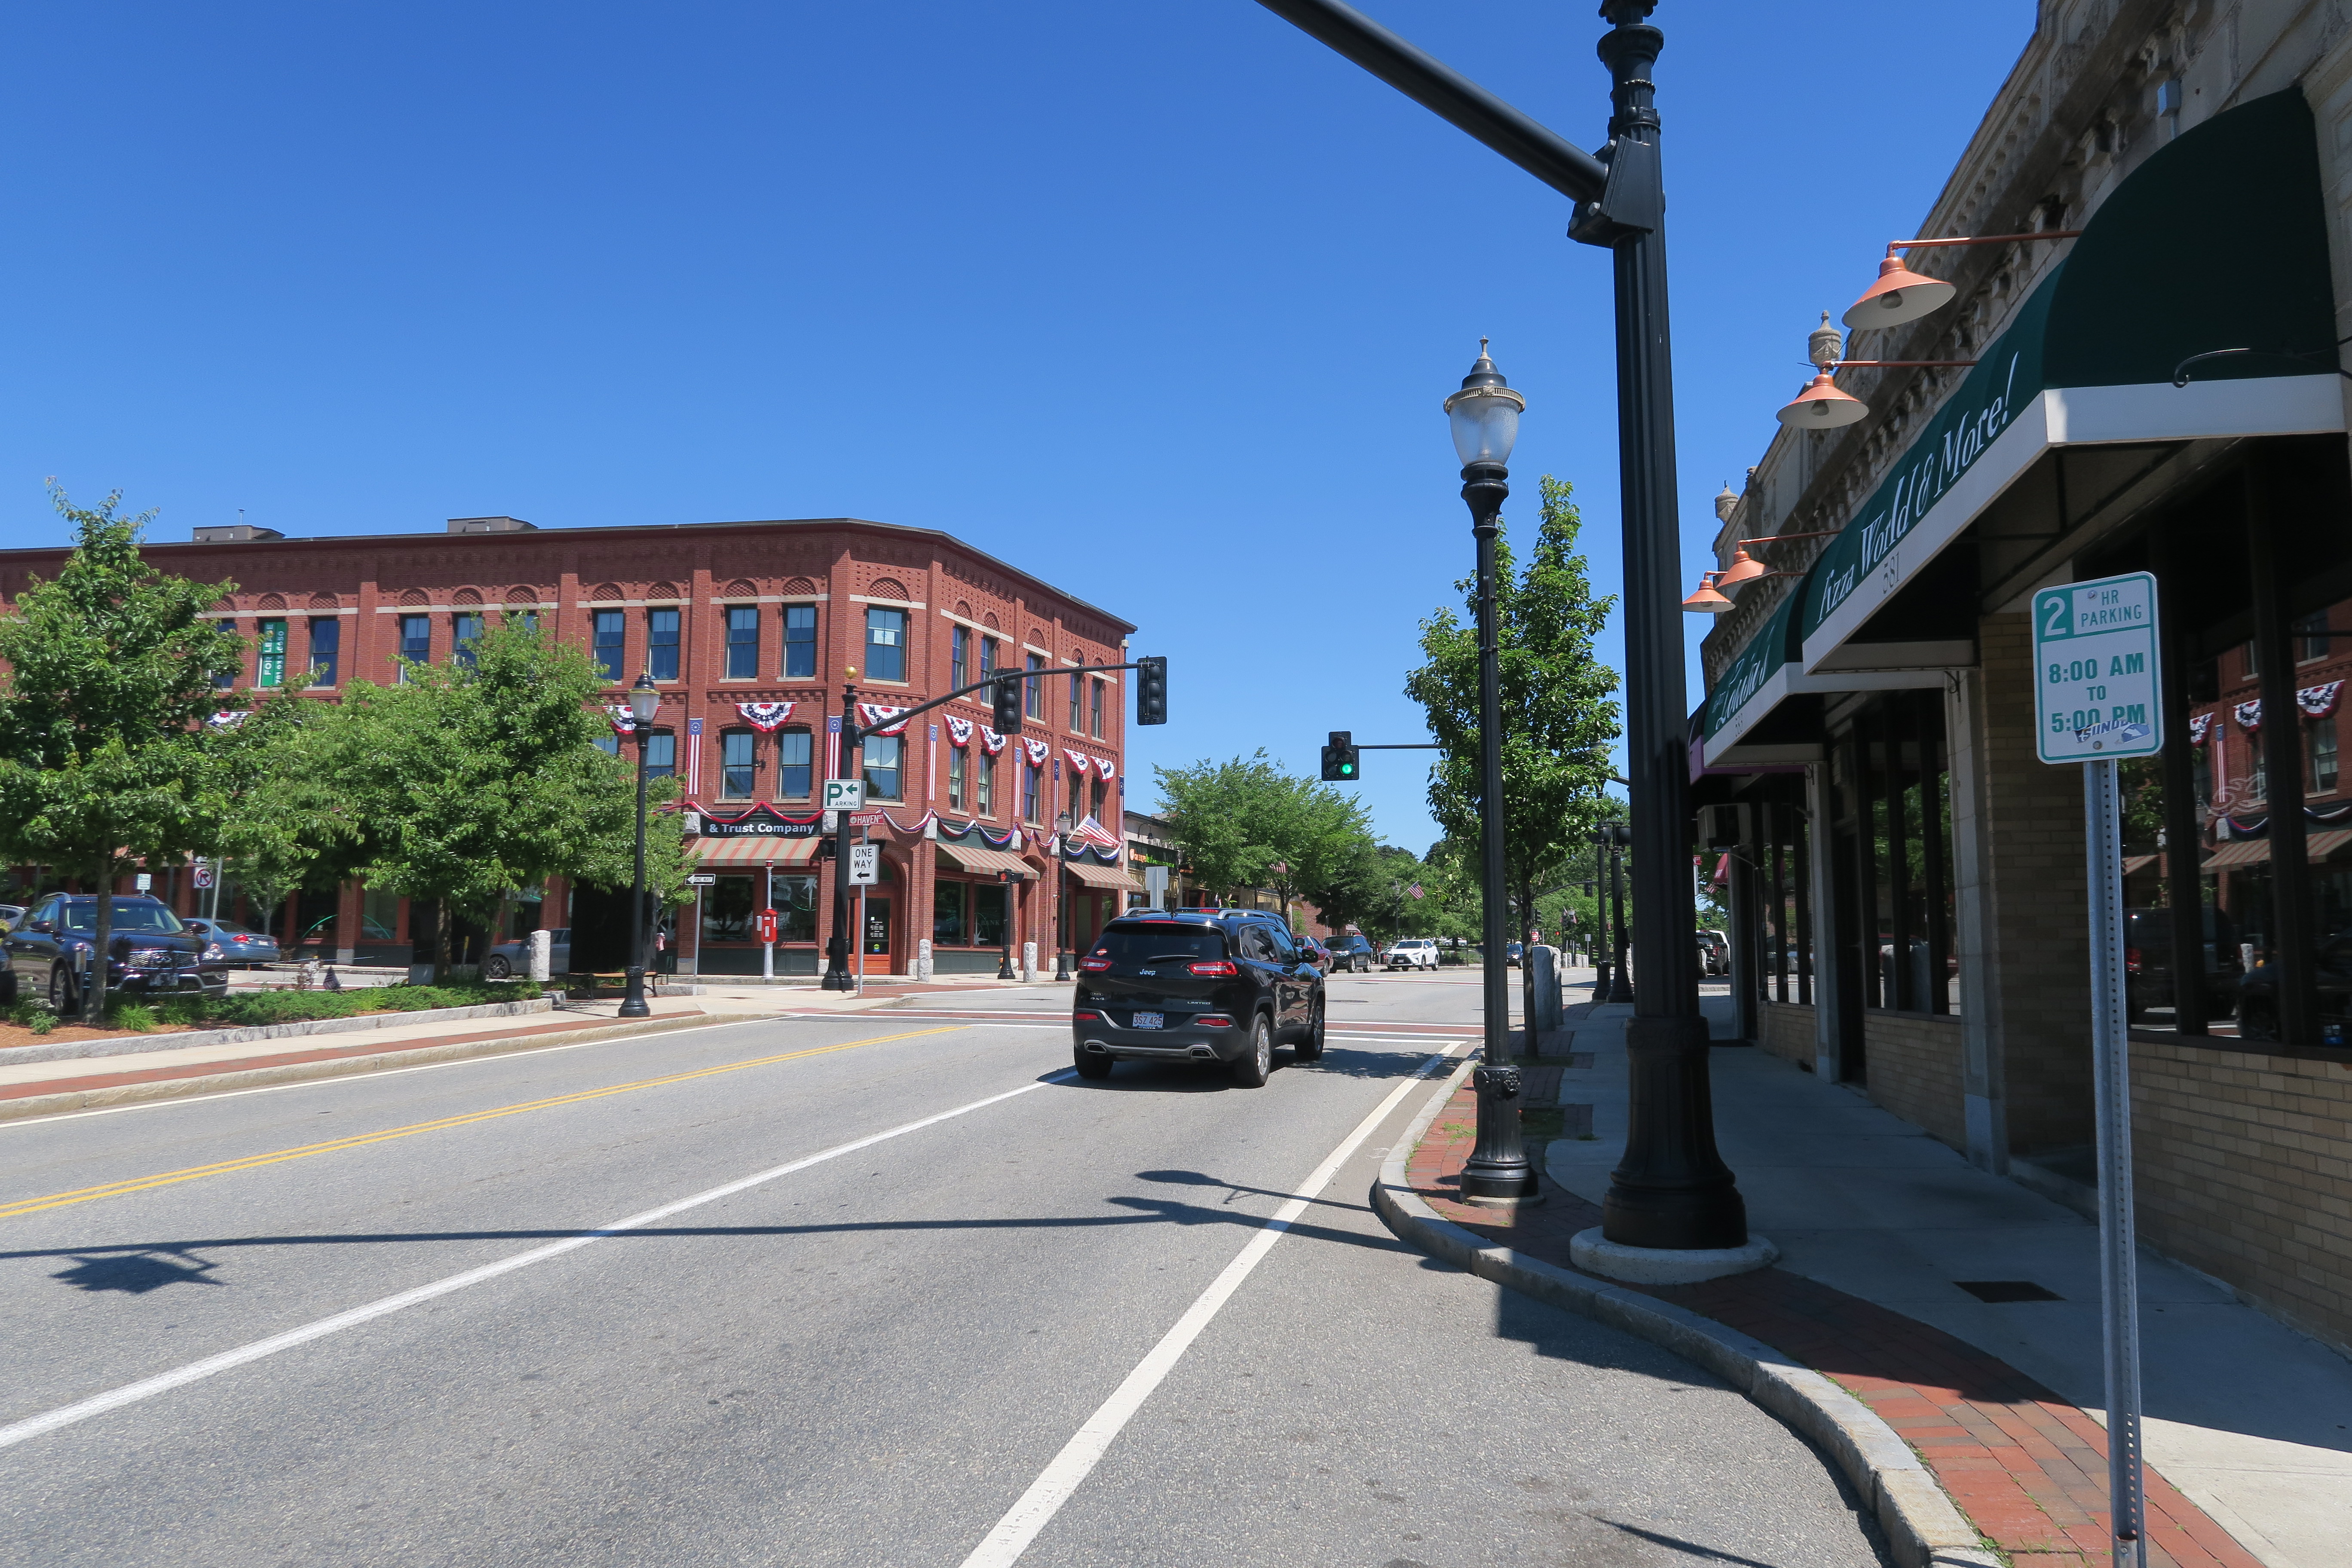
(1415, 890)
(1094, 833)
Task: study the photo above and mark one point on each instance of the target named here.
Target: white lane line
(1079, 1456)
(180, 1377)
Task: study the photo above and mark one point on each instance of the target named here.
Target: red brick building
(748, 630)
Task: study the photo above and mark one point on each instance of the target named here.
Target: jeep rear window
(1141, 943)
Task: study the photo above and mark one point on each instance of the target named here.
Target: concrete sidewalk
(2250, 1421)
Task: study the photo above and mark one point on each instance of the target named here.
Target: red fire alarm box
(768, 926)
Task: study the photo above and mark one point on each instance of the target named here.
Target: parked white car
(1413, 952)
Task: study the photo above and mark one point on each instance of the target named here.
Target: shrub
(136, 1017)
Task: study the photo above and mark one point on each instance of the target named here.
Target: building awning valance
(758, 851)
(1113, 877)
(981, 860)
(2089, 359)
(2316, 846)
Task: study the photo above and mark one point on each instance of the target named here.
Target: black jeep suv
(1221, 986)
(149, 951)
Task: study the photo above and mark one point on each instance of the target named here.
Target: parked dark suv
(151, 952)
(1354, 953)
(1212, 986)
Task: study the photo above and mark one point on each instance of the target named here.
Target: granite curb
(1924, 1528)
(134, 1045)
(349, 1067)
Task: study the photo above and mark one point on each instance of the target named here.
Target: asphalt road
(397, 1320)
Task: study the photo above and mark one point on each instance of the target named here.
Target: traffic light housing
(1340, 760)
(1008, 705)
(1152, 690)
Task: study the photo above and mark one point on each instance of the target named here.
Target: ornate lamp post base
(1596, 1254)
(1498, 1172)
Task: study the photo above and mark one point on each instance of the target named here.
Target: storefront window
(947, 912)
(1898, 801)
(1786, 972)
(987, 914)
(795, 909)
(727, 908)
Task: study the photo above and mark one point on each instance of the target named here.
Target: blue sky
(1157, 302)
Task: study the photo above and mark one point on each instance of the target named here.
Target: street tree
(1245, 823)
(471, 781)
(111, 674)
(1560, 717)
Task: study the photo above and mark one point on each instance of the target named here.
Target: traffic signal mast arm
(853, 733)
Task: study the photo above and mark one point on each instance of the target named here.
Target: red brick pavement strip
(364, 1048)
(2028, 1470)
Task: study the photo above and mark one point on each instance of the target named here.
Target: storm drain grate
(2008, 1291)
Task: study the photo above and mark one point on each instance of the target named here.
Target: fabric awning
(2257, 851)
(983, 861)
(2134, 862)
(757, 851)
(1095, 876)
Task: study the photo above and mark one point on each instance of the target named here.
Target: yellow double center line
(361, 1140)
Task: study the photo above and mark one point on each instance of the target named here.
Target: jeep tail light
(1086, 1013)
(1094, 965)
(1213, 1021)
(1215, 967)
(2131, 961)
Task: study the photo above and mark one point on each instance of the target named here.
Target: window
(988, 660)
(1029, 793)
(958, 657)
(738, 763)
(326, 649)
(2253, 667)
(794, 751)
(800, 642)
(742, 642)
(222, 682)
(661, 755)
(886, 644)
(661, 644)
(465, 631)
(1074, 684)
(1098, 788)
(795, 909)
(2311, 637)
(948, 899)
(1033, 692)
(612, 629)
(727, 906)
(269, 669)
(988, 924)
(526, 619)
(2320, 745)
(956, 764)
(882, 757)
(609, 744)
(1894, 809)
(1785, 898)
(1094, 709)
(416, 640)
(984, 801)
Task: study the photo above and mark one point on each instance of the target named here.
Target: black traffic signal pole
(836, 947)
(1672, 1189)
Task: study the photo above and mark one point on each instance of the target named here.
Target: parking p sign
(2095, 668)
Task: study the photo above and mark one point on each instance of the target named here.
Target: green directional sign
(2094, 670)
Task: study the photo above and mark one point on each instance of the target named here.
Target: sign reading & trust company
(760, 821)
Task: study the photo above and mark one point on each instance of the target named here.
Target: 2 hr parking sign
(2095, 661)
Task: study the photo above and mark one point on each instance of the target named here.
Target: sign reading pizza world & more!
(2094, 661)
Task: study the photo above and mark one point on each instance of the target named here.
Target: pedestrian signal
(1340, 758)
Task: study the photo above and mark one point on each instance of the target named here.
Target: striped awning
(754, 851)
(1095, 876)
(987, 862)
(2257, 851)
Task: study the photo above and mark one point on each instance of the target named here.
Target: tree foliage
(105, 757)
(465, 783)
(1246, 823)
(1560, 717)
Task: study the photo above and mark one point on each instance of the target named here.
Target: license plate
(1147, 1021)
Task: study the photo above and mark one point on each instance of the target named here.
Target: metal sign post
(2095, 659)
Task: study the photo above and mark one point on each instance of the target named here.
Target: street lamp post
(1004, 966)
(836, 946)
(1672, 1189)
(1061, 915)
(644, 700)
(1620, 984)
(1485, 414)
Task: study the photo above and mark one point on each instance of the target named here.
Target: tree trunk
(93, 993)
(441, 941)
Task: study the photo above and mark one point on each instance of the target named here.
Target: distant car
(10, 914)
(1715, 950)
(1355, 953)
(322, 932)
(239, 947)
(1312, 949)
(1412, 952)
(509, 958)
(1513, 954)
(149, 951)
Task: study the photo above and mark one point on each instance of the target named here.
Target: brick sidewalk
(2028, 1470)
